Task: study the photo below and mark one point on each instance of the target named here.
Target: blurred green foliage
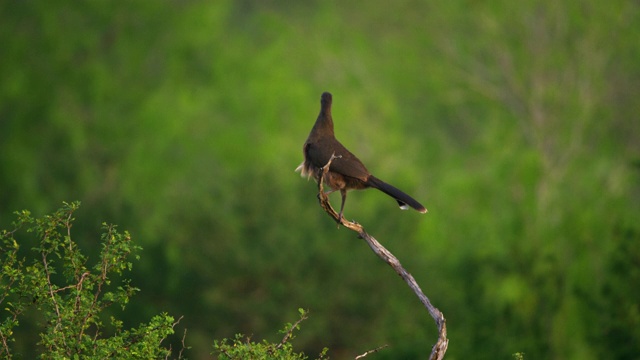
(515, 123)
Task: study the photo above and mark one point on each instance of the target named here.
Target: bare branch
(184, 335)
(440, 348)
(371, 351)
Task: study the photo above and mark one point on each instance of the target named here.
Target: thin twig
(184, 336)
(289, 333)
(440, 347)
(52, 294)
(371, 351)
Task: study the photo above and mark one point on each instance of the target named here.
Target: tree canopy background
(515, 123)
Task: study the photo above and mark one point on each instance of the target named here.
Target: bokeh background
(515, 123)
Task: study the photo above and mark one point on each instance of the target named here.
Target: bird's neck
(324, 124)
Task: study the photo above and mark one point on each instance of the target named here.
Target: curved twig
(440, 347)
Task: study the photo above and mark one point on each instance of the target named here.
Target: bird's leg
(330, 191)
(343, 192)
(322, 172)
(325, 169)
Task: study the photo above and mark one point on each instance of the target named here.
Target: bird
(346, 171)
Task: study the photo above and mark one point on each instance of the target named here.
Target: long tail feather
(402, 198)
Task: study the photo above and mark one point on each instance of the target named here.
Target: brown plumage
(346, 172)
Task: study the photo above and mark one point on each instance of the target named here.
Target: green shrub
(69, 293)
(241, 347)
(69, 296)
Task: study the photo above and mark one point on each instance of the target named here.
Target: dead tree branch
(371, 352)
(439, 349)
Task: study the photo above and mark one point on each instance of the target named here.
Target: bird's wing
(348, 164)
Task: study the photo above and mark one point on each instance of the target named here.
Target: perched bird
(346, 171)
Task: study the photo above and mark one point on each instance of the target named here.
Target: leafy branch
(241, 347)
(70, 295)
